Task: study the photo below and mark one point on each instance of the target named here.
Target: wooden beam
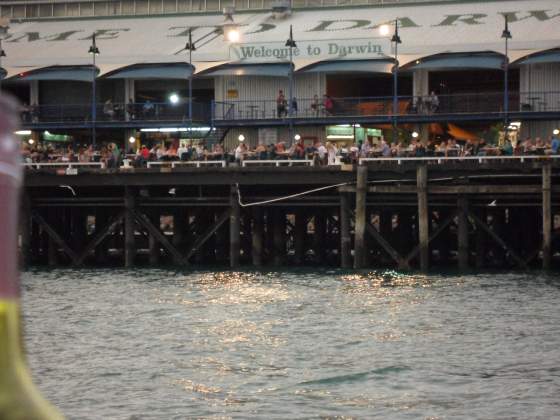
(206, 235)
(441, 227)
(54, 236)
(98, 237)
(497, 239)
(402, 263)
(145, 222)
(423, 216)
(397, 188)
(360, 224)
(547, 216)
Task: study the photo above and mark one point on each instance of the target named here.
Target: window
(59, 9)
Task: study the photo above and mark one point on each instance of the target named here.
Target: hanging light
(384, 30)
(506, 33)
(93, 47)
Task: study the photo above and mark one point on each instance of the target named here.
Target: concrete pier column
(279, 236)
(300, 233)
(423, 216)
(319, 243)
(360, 227)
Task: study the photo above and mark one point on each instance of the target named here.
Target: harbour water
(158, 344)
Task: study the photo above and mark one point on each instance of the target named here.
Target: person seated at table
(452, 149)
(354, 152)
(507, 148)
(261, 152)
(539, 146)
(420, 149)
(271, 151)
(431, 148)
(441, 148)
(385, 149)
(365, 148)
(528, 146)
(298, 150)
(218, 151)
(280, 150)
(161, 152)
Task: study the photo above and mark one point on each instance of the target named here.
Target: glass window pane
(184, 5)
(45, 10)
(86, 9)
(142, 7)
(212, 5)
(127, 7)
(19, 11)
(169, 6)
(73, 9)
(32, 10)
(155, 7)
(59, 9)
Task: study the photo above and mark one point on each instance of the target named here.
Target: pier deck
(423, 215)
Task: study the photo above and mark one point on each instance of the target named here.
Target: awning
(351, 66)
(459, 133)
(153, 71)
(460, 61)
(337, 34)
(551, 56)
(76, 73)
(280, 70)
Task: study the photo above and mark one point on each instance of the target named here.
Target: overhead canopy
(333, 35)
(351, 66)
(76, 73)
(551, 56)
(460, 61)
(153, 71)
(281, 70)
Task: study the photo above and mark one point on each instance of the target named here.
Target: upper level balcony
(410, 109)
(309, 111)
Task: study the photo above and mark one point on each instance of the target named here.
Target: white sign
(331, 49)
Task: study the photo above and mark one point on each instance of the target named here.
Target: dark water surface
(155, 344)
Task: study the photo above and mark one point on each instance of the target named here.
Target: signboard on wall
(268, 136)
(332, 49)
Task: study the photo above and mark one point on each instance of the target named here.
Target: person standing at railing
(555, 145)
(281, 104)
(332, 151)
(328, 104)
(433, 102)
(315, 106)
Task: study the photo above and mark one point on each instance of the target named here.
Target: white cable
(258, 203)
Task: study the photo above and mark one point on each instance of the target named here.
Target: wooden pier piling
(360, 225)
(423, 216)
(546, 216)
(234, 227)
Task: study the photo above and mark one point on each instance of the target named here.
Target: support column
(480, 239)
(319, 243)
(463, 234)
(300, 233)
(423, 217)
(129, 227)
(360, 226)
(345, 240)
(546, 215)
(279, 236)
(234, 235)
(257, 235)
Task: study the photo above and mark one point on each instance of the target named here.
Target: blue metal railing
(114, 112)
(469, 103)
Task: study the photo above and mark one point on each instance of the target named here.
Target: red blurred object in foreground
(10, 179)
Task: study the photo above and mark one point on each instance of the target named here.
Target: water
(116, 344)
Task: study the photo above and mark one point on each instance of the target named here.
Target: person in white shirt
(331, 153)
(321, 153)
(240, 151)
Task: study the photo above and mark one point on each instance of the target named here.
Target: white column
(34, 92)
(420, 89)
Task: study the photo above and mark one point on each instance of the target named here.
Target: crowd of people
(328, 153)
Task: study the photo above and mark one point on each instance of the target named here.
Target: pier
(417, 214)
